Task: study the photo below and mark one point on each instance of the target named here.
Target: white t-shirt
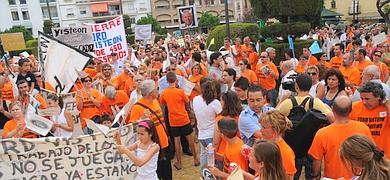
(205, 114)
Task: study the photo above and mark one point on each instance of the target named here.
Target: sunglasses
(106, 69)
(171, 69)
(311, 73)
(88, 80)
(38, 76)
(263, 56)
(138, 80)
(377, 55)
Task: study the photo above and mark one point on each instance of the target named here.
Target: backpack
(305, 126)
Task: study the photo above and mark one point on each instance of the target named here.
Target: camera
(289, 84)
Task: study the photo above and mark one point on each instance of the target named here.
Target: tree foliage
(297, 10)
(127, 23)
(156, 27)
(26, 33)
(208, 20)
(47, 25)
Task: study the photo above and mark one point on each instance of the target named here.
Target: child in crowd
(144, 152)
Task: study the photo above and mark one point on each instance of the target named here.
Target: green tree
(127, 24)
(26, 33)
(296, 10)
(383, 7)
(47, 25)
(156, 27)
(208, 21)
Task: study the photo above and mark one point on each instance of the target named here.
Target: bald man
(371, 73)
(327, 141)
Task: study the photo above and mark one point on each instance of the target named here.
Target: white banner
(70, 106)
(110, 37)
(59, 62)
(79, 37)
(143, 32)
(87, 157)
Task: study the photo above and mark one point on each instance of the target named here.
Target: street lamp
(227, 19)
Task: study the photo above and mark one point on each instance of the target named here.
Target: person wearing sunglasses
(88, 101)
(107, 76)
(317, 89)
(376, 59)
(267, 73)
(247, 72)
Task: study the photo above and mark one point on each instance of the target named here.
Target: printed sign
(71, 106)
(78, 37)
(143, 32)
(38, 123)
(109, 37)
(12, 41)
(187, 17)
(87, 157)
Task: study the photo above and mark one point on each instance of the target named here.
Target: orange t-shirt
(91, 72)
(361, 65)
(120, 100)
(7, 92)
(349, 47)
(195, 79)
(11, 125)
(266, 81)
(121, 80)
(137, 112)
(250, 75)
(234, 155)
(300, 68)
(238, 55)
(157, 65)
(351, 74)
(377, 120)
(38, 97)
(383, 69)
(253, 59)
(175, 99)
(205, 71)
(113, 82)
(49, 87)
(326, 144)
(312, 60)
(222, 143)
(288, 157)
(335, 62)
(89, 110)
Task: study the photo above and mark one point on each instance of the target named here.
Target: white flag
(59, 61)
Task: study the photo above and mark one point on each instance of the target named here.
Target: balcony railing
(44, 1)
(352, 11)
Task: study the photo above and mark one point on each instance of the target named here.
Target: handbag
(169, 152)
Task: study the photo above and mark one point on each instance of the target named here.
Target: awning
(100, 7)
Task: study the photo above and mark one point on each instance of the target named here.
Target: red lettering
(112, 24)
(104, 26)
(100, 52)
(96, 28)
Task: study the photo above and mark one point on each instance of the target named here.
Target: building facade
(25, 13)
(165, 11)
(358, 10)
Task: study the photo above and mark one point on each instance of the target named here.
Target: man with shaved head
(327, 141)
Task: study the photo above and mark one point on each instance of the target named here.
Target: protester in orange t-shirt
(302, 64)
(274, 124)
(337, 60)
(229, 128)
(384, 71)
(138, 112)
(128, 73)
(237, 51)
(371, 111)
(16, 127)
(195, 77)
(267, 73)
(91, 69)
(113, 100)
(327, 141)
(312, 59)
(246, 72)
(351, 73)
(107, 75)
(179, 121)
(36, 100)
(360, 60)
(88, 101)
(7, 92)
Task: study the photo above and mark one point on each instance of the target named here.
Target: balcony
(351, 10)
(51, 2)
(95, 1)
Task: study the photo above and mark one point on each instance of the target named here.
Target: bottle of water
(210, 155)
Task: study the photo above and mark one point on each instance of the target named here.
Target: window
(12, 2)
(83, 10)
(25, 15)
(142, 7)
(131, 6)
(333, 4)
(198, 2)
(132, 20)
(72, 25)
(15, 15)
(222, 1)
(69, 12)
(22, 1)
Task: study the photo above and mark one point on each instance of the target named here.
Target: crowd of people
(245, 105)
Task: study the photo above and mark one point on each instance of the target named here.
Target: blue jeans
(203, 152)
(306, 161)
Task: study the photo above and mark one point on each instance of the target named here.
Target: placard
(143, 32)
(13, 41)
(79, 37)
(187, 17)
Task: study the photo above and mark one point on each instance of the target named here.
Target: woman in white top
(63, 123)
(206, 107)
(136, 93)
(144, 152)
(317, 89)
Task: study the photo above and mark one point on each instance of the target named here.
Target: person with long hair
(63, 123)
(335, 85)
(274, 124)
(266, 160)
(247, 72)
(144, 152)
(231, 108)
(364, 158)
(206, 108)
(317, 89)
(195, 77)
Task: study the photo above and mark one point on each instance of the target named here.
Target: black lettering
(59, 87)
(9, 145)
(18, 167)
(95, 158)
(30, 166)
(99, 173)
(57, 164)
(68, 173)
(46, 165)
(53, 176)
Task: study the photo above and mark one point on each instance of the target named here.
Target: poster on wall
(187, 17)
(109, 37)
(79, 37)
